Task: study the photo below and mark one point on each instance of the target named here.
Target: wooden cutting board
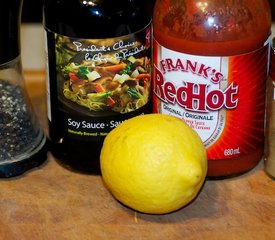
(51, 202)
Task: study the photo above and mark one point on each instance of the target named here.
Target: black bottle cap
(10, 20)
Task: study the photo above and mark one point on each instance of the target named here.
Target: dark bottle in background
(99, 73)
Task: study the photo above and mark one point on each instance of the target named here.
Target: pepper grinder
(22, 141)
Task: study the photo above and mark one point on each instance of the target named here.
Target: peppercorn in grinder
(22, 142)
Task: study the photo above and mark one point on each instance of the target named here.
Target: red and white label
(221, 98)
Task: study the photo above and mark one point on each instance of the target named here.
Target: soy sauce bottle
(98, 73)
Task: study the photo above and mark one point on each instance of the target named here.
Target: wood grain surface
(51, 202)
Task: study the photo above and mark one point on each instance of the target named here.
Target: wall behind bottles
(32, 48)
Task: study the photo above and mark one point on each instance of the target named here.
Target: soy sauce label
(101, 80)
(96, 128)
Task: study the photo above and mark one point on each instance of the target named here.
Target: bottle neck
(10, 19)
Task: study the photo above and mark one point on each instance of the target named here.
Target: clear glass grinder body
(22, 141)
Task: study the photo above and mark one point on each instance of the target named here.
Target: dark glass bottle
(99, 73)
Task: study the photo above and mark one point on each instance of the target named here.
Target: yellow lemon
(153, 163)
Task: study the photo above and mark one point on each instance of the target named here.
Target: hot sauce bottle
(98, 73)
(209, 69)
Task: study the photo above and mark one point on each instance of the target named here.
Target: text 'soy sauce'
(210, 69)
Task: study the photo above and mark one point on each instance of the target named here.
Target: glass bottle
(210, 69)
(269, 163)
(99, 72)
(22, 142)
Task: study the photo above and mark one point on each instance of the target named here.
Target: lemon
(153, 163)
